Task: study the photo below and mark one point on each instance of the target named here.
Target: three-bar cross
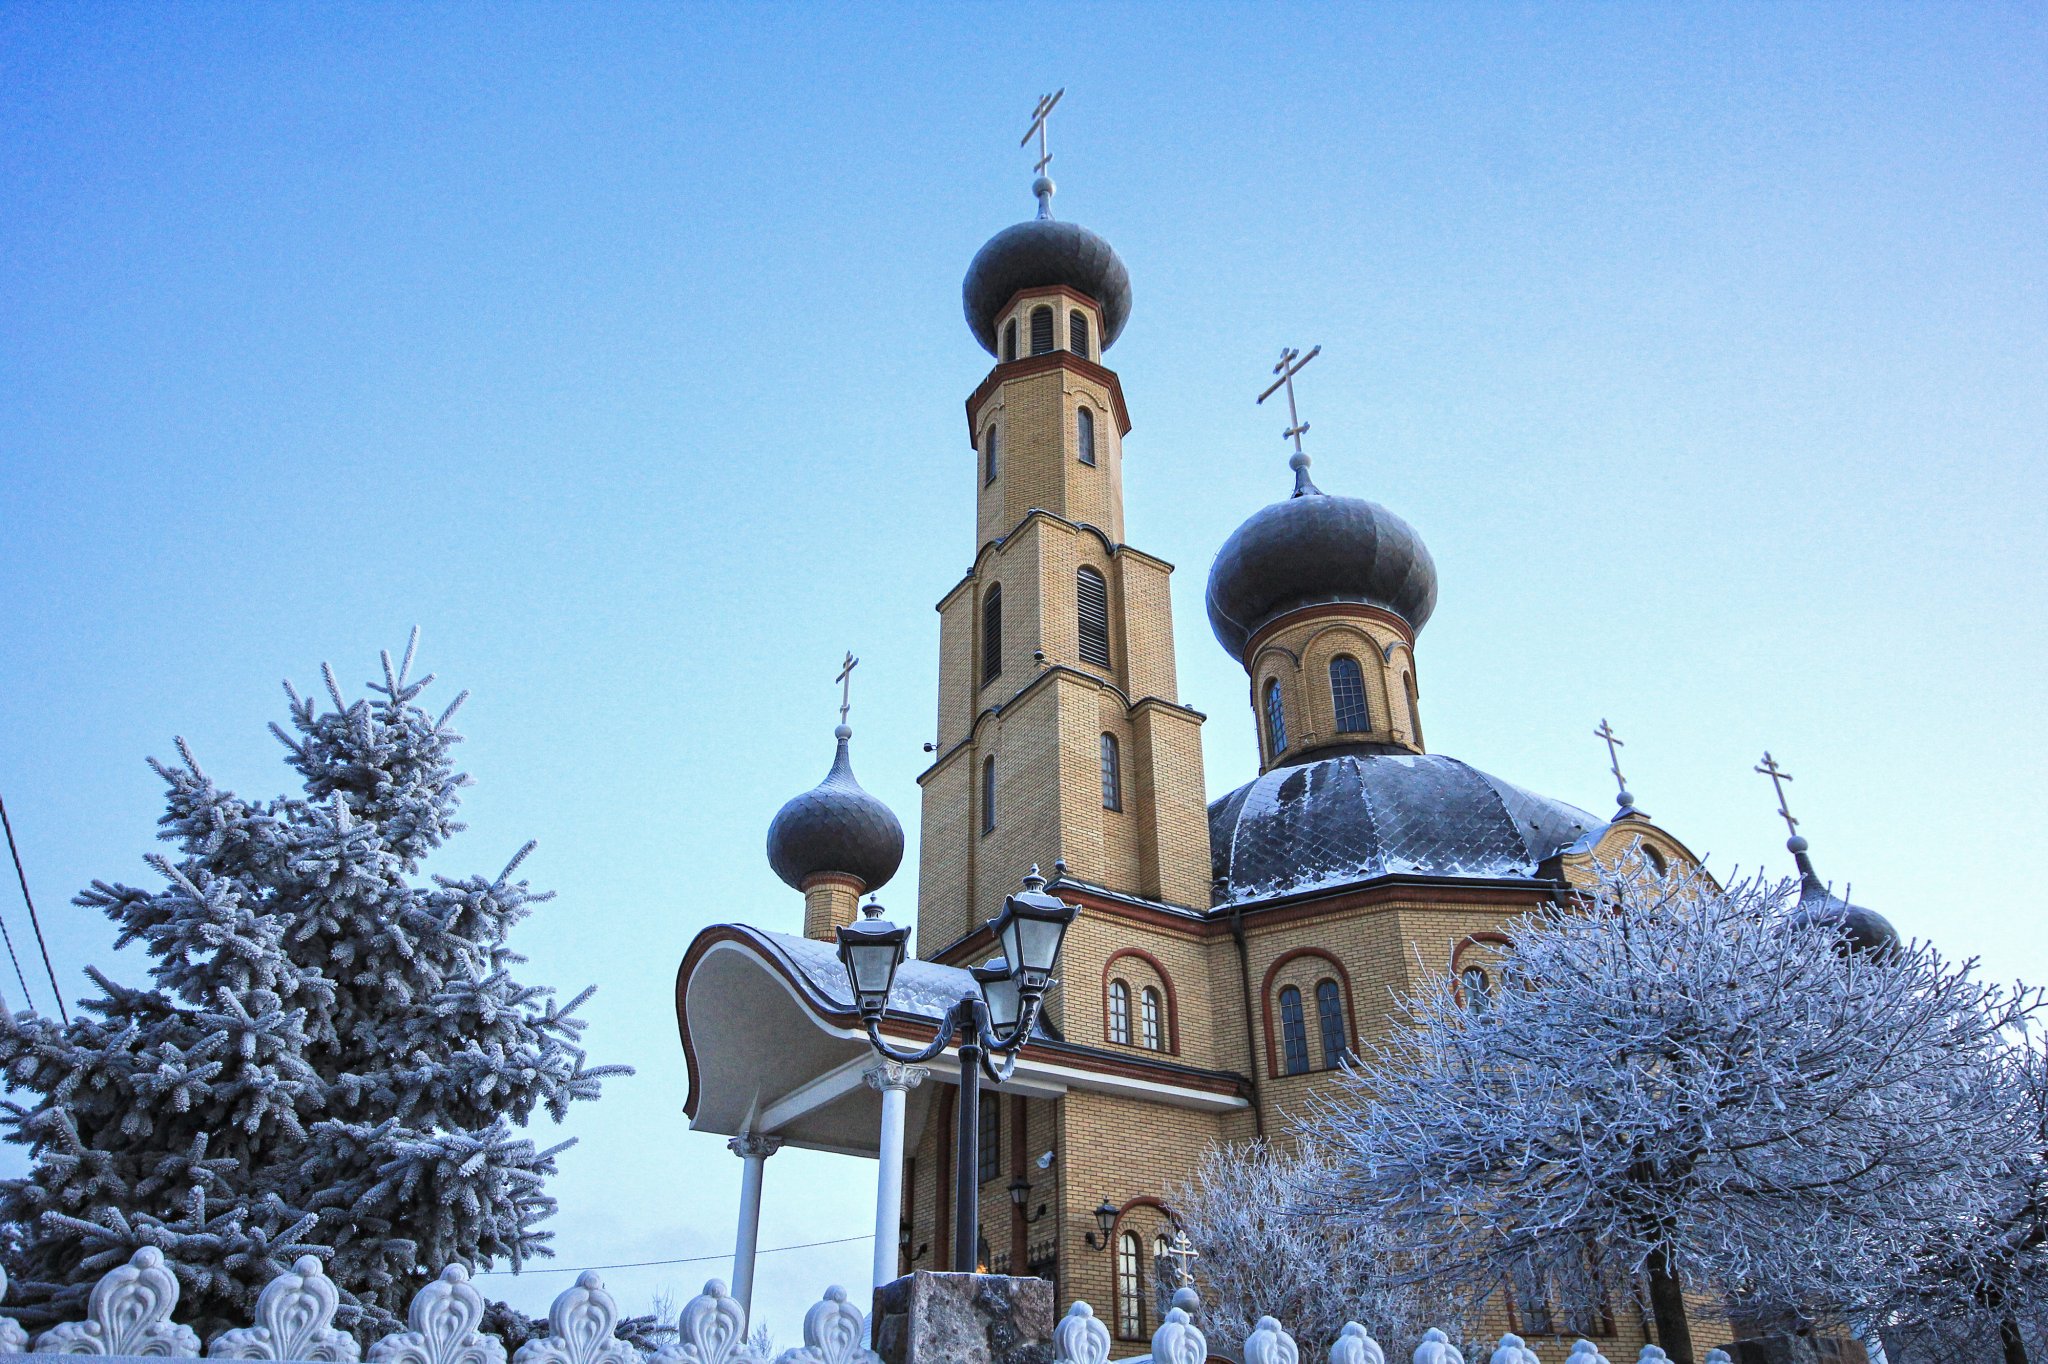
(845, 681)
(1038, 118)
(1606, 731)
(1779, 776)
(1183, 1253)
(1292, 362)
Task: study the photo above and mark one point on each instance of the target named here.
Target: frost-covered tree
(1677, 1085)
(333, 1056)
(1266, 1251)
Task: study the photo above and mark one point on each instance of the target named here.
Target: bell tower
(1060, 733)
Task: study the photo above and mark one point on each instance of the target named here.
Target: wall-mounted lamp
(1105, 1218)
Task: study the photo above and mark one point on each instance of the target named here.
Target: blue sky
(620, 349)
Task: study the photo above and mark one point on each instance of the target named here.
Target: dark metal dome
(1362, 815)
(1863, 930)
(836, 827)
(1315, 548)
(1037, 253)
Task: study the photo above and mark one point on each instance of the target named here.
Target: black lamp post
(996, 1021)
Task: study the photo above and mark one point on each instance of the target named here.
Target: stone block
(931, 1318)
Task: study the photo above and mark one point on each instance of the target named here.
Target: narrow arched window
(1041, 330)
(988, 456)
(1347, 695)
(1112, 775)
(1010, 340)
(1276, 720)
(1091, 609)
(988, 795)
(1151, 1024)
(1119, 1013)
(1330, 1019)
(1414, 716)
(1084, 434)
(988, 1147)
(992, 635)
(1077, 333)
(1130, 1297)
(1293, 1034)
(1478, 990)
(1655, 859)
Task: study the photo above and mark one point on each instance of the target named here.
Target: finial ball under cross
(1614, 742)
(1292, 362)
(1039, 116)
(845, 681)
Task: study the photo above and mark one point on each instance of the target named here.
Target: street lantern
(1001, 991)
(1105, 1218)
(1029, 931)
(871, 949)
(995, 1021)
(1020, 1189)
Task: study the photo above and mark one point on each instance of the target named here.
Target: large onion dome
(1312, 549)
(836, 826)
(1863, 930)
(1038, 253)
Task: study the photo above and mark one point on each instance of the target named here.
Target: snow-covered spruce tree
(333, 1058)
(1266, 1252)
(1680, 1086)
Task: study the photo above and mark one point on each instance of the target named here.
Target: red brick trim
(1266, 1006)
(1374, 613)
(1116, 1231)
(1172, 1038)
(1040, 364)
(1487, 938)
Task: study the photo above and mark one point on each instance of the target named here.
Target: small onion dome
(836, 827)
(1312, 549)
(1038, 253)
(1863, 930)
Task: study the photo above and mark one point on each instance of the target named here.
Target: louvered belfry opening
(992, 635)
(1010, 340)
(1091, 601)
(1077, 333)
(1041, 330)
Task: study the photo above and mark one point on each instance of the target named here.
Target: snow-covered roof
(1359, 816)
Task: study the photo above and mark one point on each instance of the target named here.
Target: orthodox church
(1231, 950)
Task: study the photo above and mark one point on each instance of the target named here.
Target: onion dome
(1369, 813)
(1863, 930)
(836, 826)
(1313, 549)
(1039, 253)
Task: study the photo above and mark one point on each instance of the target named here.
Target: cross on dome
(845, 681)
(1779, 776)
(1614, 741)
(1043, 186)
(1292, 362)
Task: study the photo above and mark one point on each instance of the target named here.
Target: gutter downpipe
(1251, 1047)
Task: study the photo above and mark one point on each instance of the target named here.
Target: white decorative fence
(129, 1316)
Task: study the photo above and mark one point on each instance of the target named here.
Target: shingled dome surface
(1038, 253)
(1356, 817)
(836, 826)
(1313, 549)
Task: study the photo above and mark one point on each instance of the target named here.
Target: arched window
(1010, 340)
(988, 456)
(1151, 1030)
(1330, 1020)
(1041, 330)
(1293, 1033)
(1276, 720)
(1091, 608)
(1347, 695)
(988, 1146)
(1119, 1013)
(1077, 333)
(1478, 990)
(1655, 859)
(988, 795)
(1084, 434)
(1414, 717)
(1112, 775)
(992, 635)
(1130, 1297)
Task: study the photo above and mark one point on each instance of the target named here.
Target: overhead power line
(686, 1260)
(33, 921)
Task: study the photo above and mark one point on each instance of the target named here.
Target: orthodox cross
(1183, 1253)
(1038, 124)
(845, 681)
(1779, 776)
(1292, 362)
(1606, 731)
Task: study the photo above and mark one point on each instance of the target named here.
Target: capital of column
(754, 1146)
(894, 1075)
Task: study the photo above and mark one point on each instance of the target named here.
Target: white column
(893, 1081)
(754, 1149)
